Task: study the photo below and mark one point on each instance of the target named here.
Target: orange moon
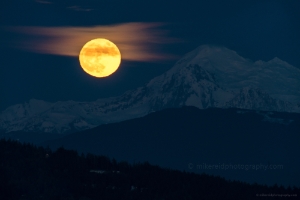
(100, 57)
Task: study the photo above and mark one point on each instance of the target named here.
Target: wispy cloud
(79, 8)
(43, 1)
(136, 41)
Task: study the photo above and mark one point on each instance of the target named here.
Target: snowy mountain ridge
(209, 76)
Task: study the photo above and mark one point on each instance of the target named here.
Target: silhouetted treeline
(30, 172)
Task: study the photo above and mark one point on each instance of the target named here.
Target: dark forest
(31, 172)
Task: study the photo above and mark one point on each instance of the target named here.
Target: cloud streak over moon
(78, 8)
(136, 41)
(43, 2)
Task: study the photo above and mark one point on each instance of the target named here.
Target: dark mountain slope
(249, 143)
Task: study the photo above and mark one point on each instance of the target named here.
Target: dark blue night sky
(257, 30)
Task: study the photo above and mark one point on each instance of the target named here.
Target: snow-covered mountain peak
(278, 61)
(280, 79)
(210, 57)
(198, 59)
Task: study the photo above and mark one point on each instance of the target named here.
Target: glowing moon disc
(100, 57)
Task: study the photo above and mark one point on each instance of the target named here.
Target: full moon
(100, 57)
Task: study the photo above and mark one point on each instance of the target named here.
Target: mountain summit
(208, 76)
